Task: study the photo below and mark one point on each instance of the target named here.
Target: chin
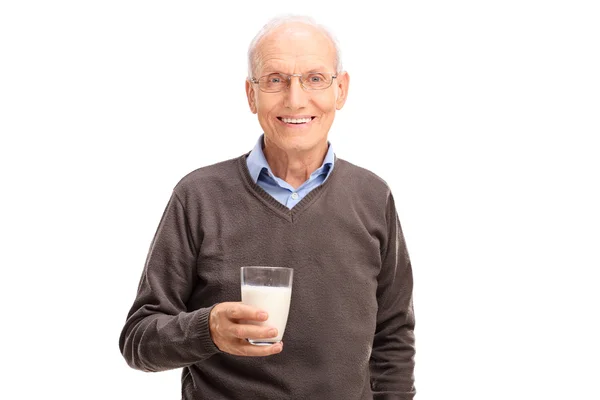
(302, 142)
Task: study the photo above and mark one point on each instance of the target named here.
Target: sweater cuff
(390, 396)
(203, 330)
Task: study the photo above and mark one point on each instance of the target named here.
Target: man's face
(296, 49)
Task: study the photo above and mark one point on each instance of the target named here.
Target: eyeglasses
(277, 82)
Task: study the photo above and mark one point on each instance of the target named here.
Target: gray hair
(284, 19)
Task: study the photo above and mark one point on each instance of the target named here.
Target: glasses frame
(289, 81)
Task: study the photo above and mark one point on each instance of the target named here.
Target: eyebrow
(272, 70)
(320, 69)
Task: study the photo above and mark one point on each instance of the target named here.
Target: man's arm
(160, 333)
(392, 358)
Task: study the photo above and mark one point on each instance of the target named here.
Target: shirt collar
(257, 162)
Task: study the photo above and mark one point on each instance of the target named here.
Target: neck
(294, 167)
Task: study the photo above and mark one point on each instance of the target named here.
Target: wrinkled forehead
(295, 49)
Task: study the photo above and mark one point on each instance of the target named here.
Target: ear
(343, 82)
(250, 93)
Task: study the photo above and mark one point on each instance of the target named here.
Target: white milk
(275, 301)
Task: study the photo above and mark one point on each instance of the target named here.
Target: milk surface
(275, 301)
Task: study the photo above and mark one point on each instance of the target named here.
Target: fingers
(250, 350)
(238, 311)
(242, 331)
(230, 325)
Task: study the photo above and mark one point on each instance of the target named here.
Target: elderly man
(289, 202)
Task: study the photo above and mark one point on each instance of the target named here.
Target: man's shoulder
(361, 177)
(365, 192)
(214, 175)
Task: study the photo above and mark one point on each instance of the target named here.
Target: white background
(482, 116)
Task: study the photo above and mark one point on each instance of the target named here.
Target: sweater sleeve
(159, 333)
(392, 356)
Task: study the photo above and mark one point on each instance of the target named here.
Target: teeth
(296, 121)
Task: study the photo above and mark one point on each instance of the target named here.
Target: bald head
(299, 59)
(282, 33)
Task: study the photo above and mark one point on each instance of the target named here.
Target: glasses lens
(317, 80)
(273, 83)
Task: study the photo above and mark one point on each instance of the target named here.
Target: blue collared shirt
(282, 191)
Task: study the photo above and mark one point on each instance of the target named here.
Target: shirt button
(294, 196)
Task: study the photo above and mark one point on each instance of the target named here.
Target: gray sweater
(350, 328)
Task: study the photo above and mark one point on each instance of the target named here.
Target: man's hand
(229, 332)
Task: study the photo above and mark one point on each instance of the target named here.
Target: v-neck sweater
(350, 328)
(282, 191)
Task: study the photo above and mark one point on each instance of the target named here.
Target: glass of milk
(270, 289)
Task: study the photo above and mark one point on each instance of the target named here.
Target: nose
(296, 97)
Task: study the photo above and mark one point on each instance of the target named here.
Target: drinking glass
(270, 289)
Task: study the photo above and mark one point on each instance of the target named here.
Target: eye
(316, 78)
(274, 78)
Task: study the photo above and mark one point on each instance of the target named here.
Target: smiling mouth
(295, 121)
